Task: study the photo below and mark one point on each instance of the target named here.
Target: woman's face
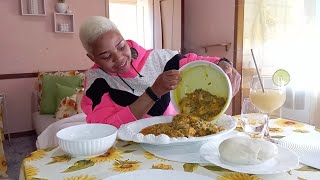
(112, 53)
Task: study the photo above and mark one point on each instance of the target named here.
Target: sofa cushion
(64, 91)
(58, 73)
(48, 103)
(67, 107)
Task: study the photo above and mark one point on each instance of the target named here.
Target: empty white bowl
(86, 140)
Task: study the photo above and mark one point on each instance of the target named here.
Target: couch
(68, 111)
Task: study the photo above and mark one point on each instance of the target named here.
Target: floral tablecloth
(53, 163)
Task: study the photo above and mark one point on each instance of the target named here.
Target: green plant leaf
(317, 129)
(216, 168)
(190, 167)
(79, 165)
(307, 168)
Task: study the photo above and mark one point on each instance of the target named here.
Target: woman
(128, 82)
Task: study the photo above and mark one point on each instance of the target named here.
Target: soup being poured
(202, 104)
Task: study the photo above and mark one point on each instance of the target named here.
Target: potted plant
(61, 6)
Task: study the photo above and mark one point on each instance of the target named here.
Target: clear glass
(253, 122)
(268, 99)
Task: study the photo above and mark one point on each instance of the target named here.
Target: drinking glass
(253, 122)
(267, 99)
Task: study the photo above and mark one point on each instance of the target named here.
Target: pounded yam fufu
(244, 150)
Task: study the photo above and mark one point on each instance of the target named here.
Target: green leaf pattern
(63, 158)
(307, 168)
(79, 165)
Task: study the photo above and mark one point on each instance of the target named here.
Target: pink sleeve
(106, 112)
(193, 57)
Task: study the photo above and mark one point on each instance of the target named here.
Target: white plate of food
(133, 131)
(181, 153)
(204, 91)
(156, 174)
(281, 161)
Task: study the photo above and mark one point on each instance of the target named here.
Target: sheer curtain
(285, 34)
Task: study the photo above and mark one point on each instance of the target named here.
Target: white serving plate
(181, 153)
(131, 131)
(284, 161)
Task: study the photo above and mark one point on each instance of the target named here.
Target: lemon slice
(281, 77)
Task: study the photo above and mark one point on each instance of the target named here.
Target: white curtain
(285, 34)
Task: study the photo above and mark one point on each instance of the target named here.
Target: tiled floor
(16, 150)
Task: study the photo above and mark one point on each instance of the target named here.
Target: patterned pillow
(78, 100)
(59, 73)
(67, 107)
(70, 106)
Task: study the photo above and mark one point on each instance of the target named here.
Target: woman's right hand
(166, 82)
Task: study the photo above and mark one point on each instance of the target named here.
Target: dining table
(128, 156)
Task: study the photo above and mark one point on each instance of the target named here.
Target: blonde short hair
(92, 28)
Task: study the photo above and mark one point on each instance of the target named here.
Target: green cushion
(64, 91)
(48, 102)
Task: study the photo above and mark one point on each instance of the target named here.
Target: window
(134, 18)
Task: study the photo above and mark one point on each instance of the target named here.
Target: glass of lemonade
(253, 121)
(268, 99)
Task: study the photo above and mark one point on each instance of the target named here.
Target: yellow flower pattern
(238, 176)
(111, 155)
(129, 156)
(289, 123)
(275, 130)
(162, 166)
(255, 136)
(125, 166)
(30, 172)
(81, 177)
(35, 155)
(149, 155)
(3, 166)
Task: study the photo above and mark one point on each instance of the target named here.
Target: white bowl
(86, 140)
(203, 75)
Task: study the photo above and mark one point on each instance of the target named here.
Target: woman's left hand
(233, 75)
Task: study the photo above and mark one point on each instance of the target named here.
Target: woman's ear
(134, 53)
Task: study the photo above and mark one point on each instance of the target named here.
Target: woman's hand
(166, 82)
(233, 75)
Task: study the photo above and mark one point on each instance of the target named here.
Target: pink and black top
(108, 95)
